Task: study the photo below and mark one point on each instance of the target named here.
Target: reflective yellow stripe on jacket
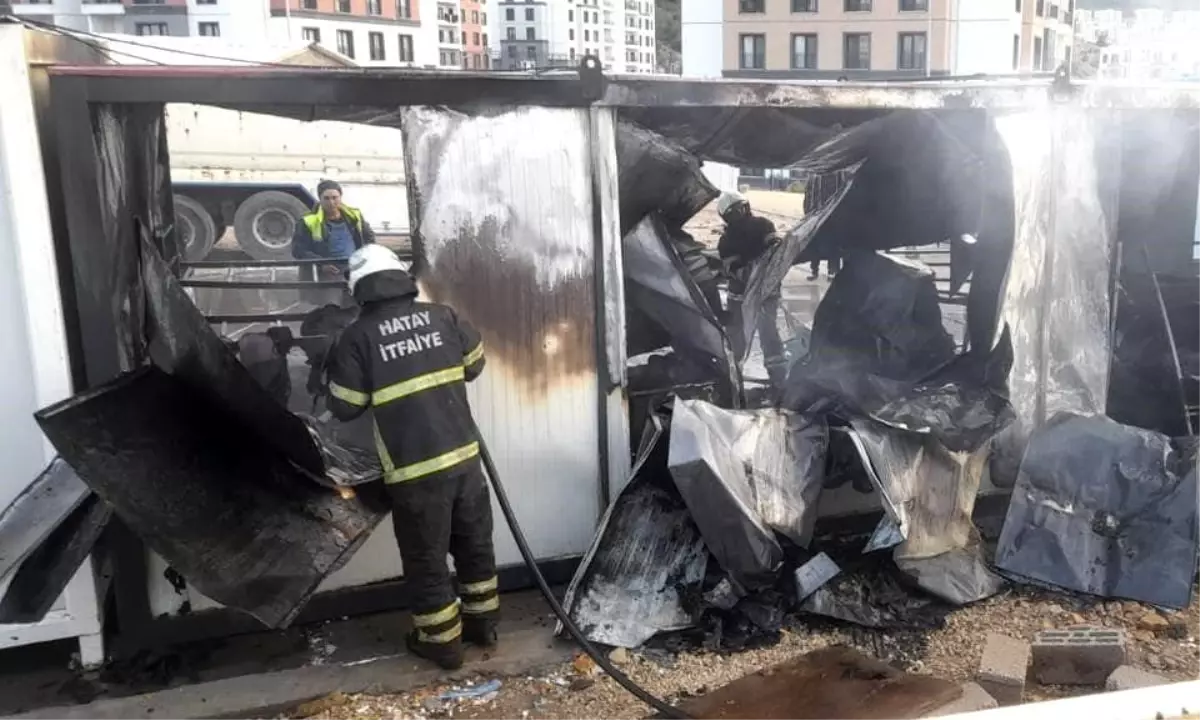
(315, 221)
(474, 356)
(404, 388)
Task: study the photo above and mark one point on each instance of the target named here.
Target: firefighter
(408, 362)
(747, 237)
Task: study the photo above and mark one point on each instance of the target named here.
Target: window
(483, 21)
(475, 39)
(529, 14)
(747, 7)
(485, 42)
(531, 52)
(911, 48)
(804, 52)
(406, 48)
(1018, 5)
(856, 51)
(570, 16)
(804, 6)
(475, 17)
(754, 52)
(508, 14)
(1016, 58)
(1037, 53)
(209, 29)
(375, 46)
(311, 35)
(343, 6)
(512, 52)
(858, 6)
(587, 35)
(1040, 8)
(571, 33)
(404, 10)
(151, 29)
(572, 54)
(345, 43)
(310, 4)
(206, 2)
(914, 5)
(375, 7)
(510, 33)
(530, 34)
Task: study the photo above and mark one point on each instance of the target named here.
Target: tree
(666, 25)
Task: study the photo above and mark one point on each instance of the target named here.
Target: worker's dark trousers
(439, 515)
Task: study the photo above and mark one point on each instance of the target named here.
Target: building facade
(1146, 44)
(529, 34)
(865, 39)
(447, 34)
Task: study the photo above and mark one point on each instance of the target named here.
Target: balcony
(103, 7)
(33, 8)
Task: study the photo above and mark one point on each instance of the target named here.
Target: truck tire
(197, 230)
(264, 224)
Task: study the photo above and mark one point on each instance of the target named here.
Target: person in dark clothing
(408, 362)
(747, 238)
(332, 230)
(265, 356)
(819, 190)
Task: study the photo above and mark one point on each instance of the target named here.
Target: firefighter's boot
(480, 631)
(447, 655)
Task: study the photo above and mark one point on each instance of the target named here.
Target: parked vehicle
(257, 175)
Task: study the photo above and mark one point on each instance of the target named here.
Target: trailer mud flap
(232, 514)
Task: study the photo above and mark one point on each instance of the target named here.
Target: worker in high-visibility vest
(409, 362)
(333, 229)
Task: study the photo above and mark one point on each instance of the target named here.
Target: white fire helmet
(370, 259)
(728, 201)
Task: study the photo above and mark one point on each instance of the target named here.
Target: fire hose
(667, 710)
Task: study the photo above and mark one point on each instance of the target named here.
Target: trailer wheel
(197, 230)
(264, 224)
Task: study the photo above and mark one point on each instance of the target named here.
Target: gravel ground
(1161, 642)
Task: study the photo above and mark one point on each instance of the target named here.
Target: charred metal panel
(607, 191)
(503, 231)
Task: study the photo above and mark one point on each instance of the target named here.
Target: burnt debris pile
(910, 392)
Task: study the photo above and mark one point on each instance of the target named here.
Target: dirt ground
(1160, 642)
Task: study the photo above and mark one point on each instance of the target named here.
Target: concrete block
(974, 698)
(1085, 656)
(1128, 677)
(1002, 668)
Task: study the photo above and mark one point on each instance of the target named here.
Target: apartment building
(560, 33)
(374, 33)
(448, 34)
(640, 51)
(474, 35)
(871, 39)
(1147, 44)
(244, 19)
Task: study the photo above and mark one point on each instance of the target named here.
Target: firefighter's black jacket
(409, 362)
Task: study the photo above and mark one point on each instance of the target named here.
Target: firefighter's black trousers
(438, 515)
